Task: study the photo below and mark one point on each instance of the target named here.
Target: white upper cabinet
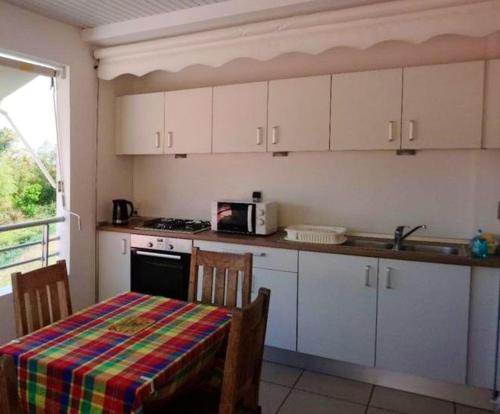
(240, 118)
(337, 307)
(139, 123)
(299, 114)
(188, 121)
(492, 105)
(443, 106)
(423, 319)
(366, 110)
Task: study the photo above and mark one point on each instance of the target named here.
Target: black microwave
(244, 217)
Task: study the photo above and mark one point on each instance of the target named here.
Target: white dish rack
(316, 234)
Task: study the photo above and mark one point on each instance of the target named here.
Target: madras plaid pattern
(79, 366)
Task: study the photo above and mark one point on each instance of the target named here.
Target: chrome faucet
(399, 235)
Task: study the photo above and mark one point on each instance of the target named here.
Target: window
(28, 172)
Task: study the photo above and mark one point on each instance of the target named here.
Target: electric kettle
(121, 212)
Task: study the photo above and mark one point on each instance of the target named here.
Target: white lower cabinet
(485, 289)
(114, 264)
(423, 319)
(282, 321)
(275, 269)
(337, 307)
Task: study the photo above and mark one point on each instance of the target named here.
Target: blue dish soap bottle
(479, 246)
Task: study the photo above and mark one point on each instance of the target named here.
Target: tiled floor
(286, 390)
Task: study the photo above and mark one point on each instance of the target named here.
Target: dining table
(113, 356)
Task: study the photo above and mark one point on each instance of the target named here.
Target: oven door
(236, 217)
(160, 274)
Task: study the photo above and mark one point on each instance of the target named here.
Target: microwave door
(250, 218)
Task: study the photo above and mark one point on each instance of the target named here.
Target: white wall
(451, 191)
(43, 38)
(365, 191)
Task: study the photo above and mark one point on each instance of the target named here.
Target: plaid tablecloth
(78, 365)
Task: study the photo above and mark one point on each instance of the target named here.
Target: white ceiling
(115, 22)
(92, 13)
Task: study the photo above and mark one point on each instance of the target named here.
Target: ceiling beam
(213, 16)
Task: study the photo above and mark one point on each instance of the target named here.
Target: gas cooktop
(175, 225)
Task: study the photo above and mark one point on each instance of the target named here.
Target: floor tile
(463, 409)
(300, 402)
(280, 374)
(407, 403)
(271, 397)
(340, 388)
(375, 410)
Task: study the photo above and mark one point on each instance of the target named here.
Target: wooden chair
(239, 390)
(9, 399)
(41, 297)
(226, 267)
(244, 356)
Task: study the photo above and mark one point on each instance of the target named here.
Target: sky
(32, 110)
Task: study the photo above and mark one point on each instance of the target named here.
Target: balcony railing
(44, 242)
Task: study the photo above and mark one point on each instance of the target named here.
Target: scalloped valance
(412, 21)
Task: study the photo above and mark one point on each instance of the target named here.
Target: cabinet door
(114, 264)
(240, 118)
(443, 106)
(492, 105)
(139, 123)
(337, 307)
(483, 326)
(282, 320)
(188, 121)
(423, 313)
(366, 110)
(299, 114)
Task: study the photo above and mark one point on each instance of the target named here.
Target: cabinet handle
(391, 131)
(262, 254)
(368, 268)
(170, 139)
(157, 140)
(275, 135)
(388, 284)
(411, 130)
(259, 135)
(124, 246)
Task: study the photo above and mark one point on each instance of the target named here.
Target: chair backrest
(245, 350)
(9, 400)
(41, 297)
(224, 268)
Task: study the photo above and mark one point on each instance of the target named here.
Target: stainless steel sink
(369, 244)
(430, 248)
(417, 247)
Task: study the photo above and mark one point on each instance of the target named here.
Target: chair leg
(251, 400)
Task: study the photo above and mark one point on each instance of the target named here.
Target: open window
(29, 168)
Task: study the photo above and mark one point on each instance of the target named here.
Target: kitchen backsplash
(452, 192)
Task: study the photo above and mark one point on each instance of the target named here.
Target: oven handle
(153, 254)
(249, 218)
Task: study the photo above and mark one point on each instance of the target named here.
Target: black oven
(160, 269)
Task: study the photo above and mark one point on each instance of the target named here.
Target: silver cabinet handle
(170, 139)
(124, 246)
(411, 130)
(259, 135)
(254, 254)
(391, 131)
(275, 135)
(157, 139)
(368, 268)
(388, 284)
